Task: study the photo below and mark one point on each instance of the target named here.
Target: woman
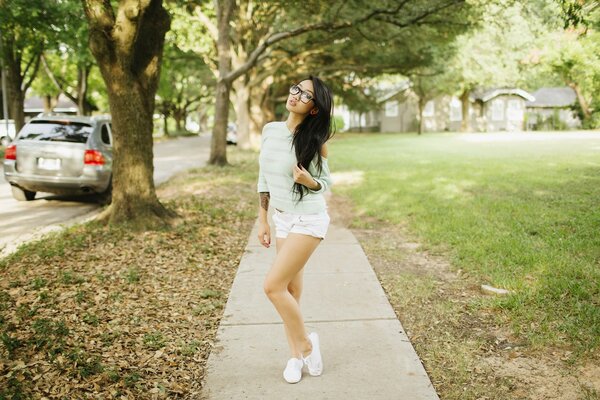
(293, 175)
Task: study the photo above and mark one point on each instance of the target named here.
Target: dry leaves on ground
(105, 313)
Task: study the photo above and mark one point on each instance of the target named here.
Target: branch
(55, 81)
(418, 18)
(36, 65)
(210, 26)
(326, 26)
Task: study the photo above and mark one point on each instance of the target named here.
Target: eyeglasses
(305, 97)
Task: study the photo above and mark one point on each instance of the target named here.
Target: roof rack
(102, 116)
(50, 114)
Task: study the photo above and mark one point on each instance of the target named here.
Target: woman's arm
(323, 180)
(264, 230)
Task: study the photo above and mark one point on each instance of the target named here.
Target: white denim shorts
(308, 224)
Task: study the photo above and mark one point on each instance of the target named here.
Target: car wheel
(22, 194)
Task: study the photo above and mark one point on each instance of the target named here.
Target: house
(35, 105)
(501, 109)
(497, 109)
(552, 109)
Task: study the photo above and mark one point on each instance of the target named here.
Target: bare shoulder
(324, 151)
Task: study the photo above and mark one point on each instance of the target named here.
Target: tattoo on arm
(264, 200)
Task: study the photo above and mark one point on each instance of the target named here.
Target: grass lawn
(516, 212)
(99, 312)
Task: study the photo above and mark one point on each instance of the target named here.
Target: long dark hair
(313, 131)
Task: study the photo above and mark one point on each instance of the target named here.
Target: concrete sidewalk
(366, 354)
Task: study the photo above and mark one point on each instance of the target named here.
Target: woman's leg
(290, 259)
(295, 289)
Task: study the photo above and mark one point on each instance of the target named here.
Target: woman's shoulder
(324, 151)
(274, 124)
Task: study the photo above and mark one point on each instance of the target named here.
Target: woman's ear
(314, 111)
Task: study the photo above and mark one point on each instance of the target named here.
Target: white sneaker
(293, 370)
(313, 361)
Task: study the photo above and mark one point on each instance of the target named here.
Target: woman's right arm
(264, 230)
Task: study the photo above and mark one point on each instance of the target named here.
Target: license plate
(49, 163)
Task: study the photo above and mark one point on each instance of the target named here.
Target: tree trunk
(202, 119)
(242, 101)
(465, 125)
(48, 106)
(177, 117)
(129, 59)
(262, 110)
(16, 97)
(83, 105)
(16, 103)
(218, 147)
(165, 124)
(421, 105)
(583, 103)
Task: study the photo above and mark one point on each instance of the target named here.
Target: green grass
(519, 214)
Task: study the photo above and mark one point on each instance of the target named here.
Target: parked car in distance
(61, 154)
(7, 131)
(231, 133)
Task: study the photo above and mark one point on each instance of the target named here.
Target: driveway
(22, 221)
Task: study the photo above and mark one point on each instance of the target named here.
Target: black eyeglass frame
(295, 89)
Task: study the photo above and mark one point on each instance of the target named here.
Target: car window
(105, 134)
(56, 131)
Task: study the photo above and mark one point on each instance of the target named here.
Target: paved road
(21, 221)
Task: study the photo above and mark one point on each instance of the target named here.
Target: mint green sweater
(276, 162)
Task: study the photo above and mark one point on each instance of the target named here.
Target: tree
(68, 64)
(492, 53)
(326, 18)
(184, 83)
(127, 44)
(24, 32)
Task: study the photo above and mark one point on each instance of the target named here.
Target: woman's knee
(272, 288)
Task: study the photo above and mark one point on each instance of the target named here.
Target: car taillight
(93, 157)
(11, 152)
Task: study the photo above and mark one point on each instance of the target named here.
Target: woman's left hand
(303, 177)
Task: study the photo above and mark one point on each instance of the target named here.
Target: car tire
(22, 194)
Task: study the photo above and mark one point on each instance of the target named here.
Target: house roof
(553, 97)
(486, 95)
(388, 92)
(36, 104)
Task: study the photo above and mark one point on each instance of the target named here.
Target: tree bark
(583, 103)
(421, 105)
(14, 83)
(242, 101)
(218, 147)
(128, 47)
(465, 124)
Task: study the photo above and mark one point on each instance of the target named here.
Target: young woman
(293, 175)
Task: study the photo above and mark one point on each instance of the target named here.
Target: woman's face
(296, 102)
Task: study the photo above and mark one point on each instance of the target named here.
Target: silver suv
(61, 154)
